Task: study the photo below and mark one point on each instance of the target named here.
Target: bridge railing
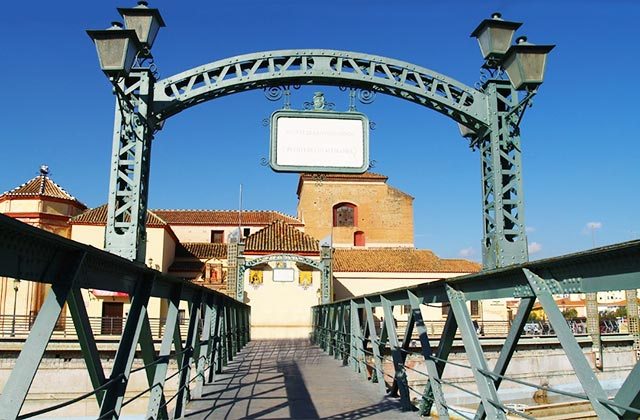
(218, 326)
(363, 330)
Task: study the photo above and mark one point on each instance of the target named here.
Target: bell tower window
(345, 214)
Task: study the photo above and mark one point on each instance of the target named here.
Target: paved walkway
(291, 379)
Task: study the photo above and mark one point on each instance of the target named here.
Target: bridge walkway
(291, 379)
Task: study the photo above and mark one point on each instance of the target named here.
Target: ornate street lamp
(466, 132)
(144, 21)
(494, 36)
(117, 49)
(525, 64)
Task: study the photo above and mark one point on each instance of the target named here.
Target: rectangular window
(475, 308)
(217, 236)
(112, 315)
(246, 232)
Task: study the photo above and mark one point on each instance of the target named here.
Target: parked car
(532, 328)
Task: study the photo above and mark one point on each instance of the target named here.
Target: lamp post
(123, 54)
(16, 286)
(504, 240)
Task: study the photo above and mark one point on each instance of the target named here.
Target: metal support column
(326, 281)
(504, 239)
(239, 272)
(125, 233)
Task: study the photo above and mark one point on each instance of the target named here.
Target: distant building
(42, 203)
(367, 221)
(355, 210)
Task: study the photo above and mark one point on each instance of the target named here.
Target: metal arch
(462, 103)
(282, 257)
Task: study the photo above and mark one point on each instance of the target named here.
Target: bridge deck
(290, 379)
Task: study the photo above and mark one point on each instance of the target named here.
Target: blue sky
(581, 148)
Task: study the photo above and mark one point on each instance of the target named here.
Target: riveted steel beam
(17, 386)
(510, 344)
(114, 395)
(433, 393)
(125, 233)
(486, 386)
(504, 240)
(358, 357)
(321, 67)
(400, 375)
(157, 408)
(543, 289)
(188, 359)
(376, 342)
(87, 341)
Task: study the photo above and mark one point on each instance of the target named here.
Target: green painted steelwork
(33, 254)
(615, 267)
(324, 266)
(490, 114)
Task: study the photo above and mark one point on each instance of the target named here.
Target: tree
(570, 313)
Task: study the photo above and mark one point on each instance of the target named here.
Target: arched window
(358, 238)
(345, 214)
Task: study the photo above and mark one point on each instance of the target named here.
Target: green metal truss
(615, 267)
(490, 113)
(29, 253)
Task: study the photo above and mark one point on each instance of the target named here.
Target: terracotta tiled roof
(365, 177)
(398, 260)
(224, 217)
(281, 237)
(187, 266)
(201, 250)
(41, 186)
(98, 216)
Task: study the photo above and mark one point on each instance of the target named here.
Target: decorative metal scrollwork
(266, 122)
(274, 93)
(372, 125)
(366, 96)
(144, 59)
(372, 164)
(264, 161)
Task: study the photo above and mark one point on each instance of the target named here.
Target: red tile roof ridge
(26, 190)
(98, 216)
(280, 236)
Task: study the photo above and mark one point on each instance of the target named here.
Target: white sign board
(283, 274)
(312, 141)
